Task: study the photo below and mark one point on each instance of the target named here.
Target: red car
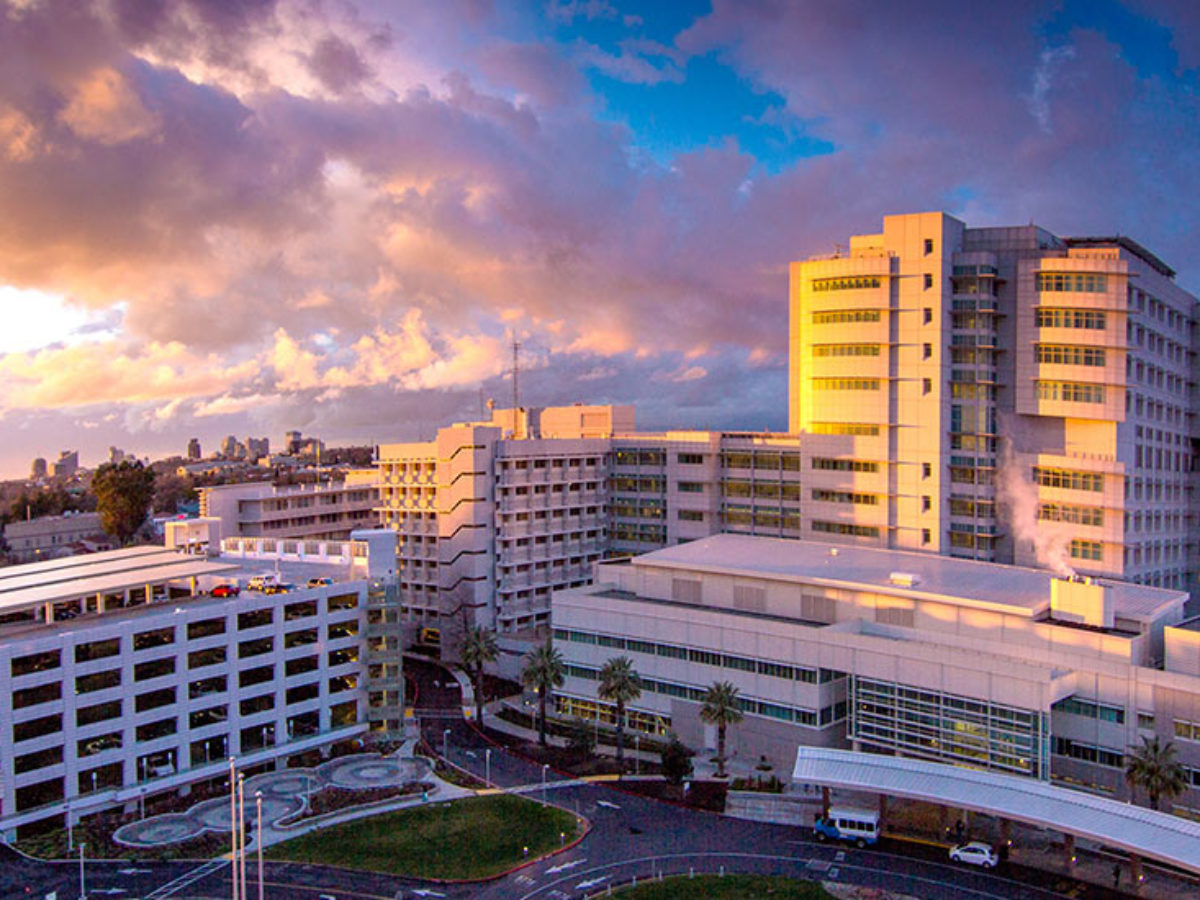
(226, 590)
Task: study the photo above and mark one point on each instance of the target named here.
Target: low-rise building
(328, 510)
(51, 536)
(970, 663)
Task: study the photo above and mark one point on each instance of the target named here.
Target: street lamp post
(445, 745)
(70, 829)
(545, 766)
(82, 884)
(241, 789)
(487, 765)
(637, 754)
(258, 841)
(233, 825)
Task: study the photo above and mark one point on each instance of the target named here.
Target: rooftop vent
(1080, 600)
(904, 579)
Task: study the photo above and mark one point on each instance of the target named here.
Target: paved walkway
(285, 795)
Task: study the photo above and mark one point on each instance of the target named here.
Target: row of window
(1074, 515)
(1072, 282)
(845, 528)
(772, 461)
(749, 705)
(1067, 355)
(1062, 317)
(161, 637)
(845, 384)
(704, 657)
(1069, 479)
(1070, 391)
(844, 465)
(845, 316)
(845, 350)
(846, 284)
(1091, 709)
(1090, 550)
(768, 489)
(855, 497)
(1102, 756)
(859, 429)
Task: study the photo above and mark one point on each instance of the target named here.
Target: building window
(845, 316)
(845, 284)
(1060, 317)
(926, 470)
(925, 538)
(928, 281)
(1092, 550)
(845, 384)
(928, 246)
(1072, 282)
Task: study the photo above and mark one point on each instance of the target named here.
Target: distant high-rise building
(38, 470)
(231, 449)
(999, 394)
(256, 448)
(292, 441)
(193, 448)
(116, 455)
(66, 465)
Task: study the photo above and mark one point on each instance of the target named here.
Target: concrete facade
(48, 536)
(325, 511)
(1023, 397)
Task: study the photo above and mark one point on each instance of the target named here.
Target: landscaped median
(472, 838)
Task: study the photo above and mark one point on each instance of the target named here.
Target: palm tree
(1154, 768)
(722, 708)
(543, 672)
(478, 648)
(620, 684)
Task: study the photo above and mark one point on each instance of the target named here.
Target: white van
(844, 823)
(260, 582)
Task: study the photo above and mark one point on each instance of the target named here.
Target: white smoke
(1018, 497)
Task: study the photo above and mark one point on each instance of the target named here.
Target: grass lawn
(731, 887)
(471, 838)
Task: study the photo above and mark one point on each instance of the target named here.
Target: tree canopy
(619, 684)
(544, 671)
(124, 492)
(1154, 768)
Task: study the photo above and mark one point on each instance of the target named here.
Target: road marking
(426, 892)
(841, 856)
(134, 871)
(819, 865)
(570, 865)
(833, 873)
(607, 805)
(591, 883)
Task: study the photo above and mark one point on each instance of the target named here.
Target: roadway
(630, 837)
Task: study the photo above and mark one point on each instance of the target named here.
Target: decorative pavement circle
(285, 795)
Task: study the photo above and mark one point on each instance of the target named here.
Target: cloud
(104, 108)
(1043, 79)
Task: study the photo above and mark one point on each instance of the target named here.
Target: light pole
(445, 745)
(70, 829)
(258, 841)
(545, 766)
(487, 765)
(637, 754)
(233, 825)
(82, 884)
(241, 789)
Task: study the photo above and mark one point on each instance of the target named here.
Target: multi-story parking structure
(123, 677)
(970, 663)
(978, 368)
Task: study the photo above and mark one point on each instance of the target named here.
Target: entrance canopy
(1134, 829)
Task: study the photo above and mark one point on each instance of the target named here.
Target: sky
(335, 216)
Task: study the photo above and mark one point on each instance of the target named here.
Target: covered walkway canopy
(1134, 829)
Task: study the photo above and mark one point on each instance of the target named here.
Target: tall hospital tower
(1006, 395)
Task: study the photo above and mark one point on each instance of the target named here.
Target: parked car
(858, 826)
(278, 587)
(320, 582)
(261, 582)
(975, 853)
(226, 590)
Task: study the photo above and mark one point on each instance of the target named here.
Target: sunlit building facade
(1002, 394)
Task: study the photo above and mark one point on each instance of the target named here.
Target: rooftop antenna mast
(516, 375)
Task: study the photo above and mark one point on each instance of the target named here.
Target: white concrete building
(972, 663)
(1008, 394)
(328, 510)
(122, 676)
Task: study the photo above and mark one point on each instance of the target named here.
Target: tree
(544, 671)
(676, 762)
(720, 707)
(123, 492)
(619, 684)
(1154, 768)
(478, 648)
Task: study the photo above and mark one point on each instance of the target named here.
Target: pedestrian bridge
(1141, 832)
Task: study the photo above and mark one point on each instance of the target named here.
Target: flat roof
(944, 579)
(134, 568)
(1134, 829)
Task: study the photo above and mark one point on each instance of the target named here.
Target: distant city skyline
(335, 217)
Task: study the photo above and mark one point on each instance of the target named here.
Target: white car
(976, 853)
